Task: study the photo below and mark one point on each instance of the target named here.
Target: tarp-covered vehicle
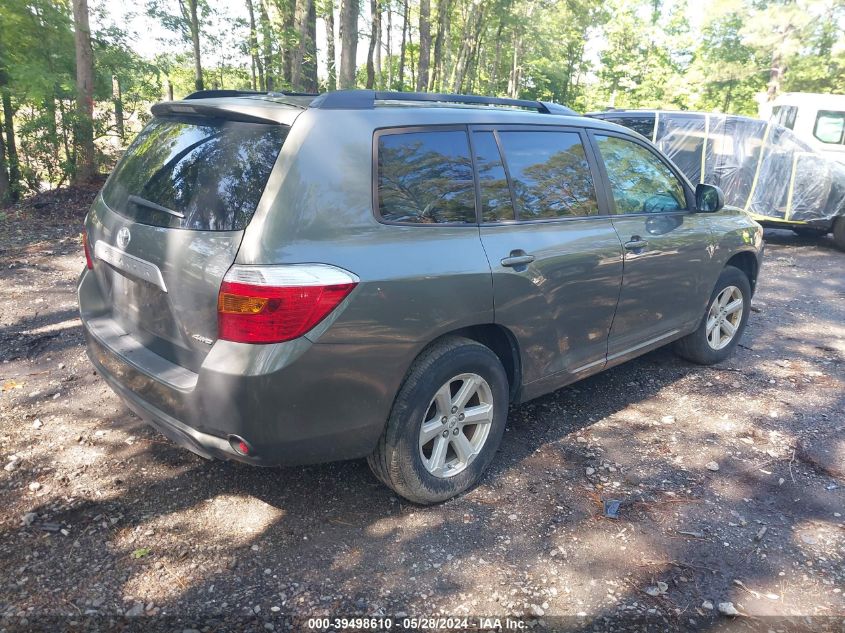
(761, 166)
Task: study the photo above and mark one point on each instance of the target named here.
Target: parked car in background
(282, 279)
(816, 119)
(762, 167)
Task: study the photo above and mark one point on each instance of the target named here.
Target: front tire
(809, 232)
(839, 233)
(446, 423)
(723, 323)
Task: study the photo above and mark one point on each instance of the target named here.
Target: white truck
(817, 119)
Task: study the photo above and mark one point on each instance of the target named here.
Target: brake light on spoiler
(271, 304)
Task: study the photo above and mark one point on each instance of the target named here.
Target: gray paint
(328, 394)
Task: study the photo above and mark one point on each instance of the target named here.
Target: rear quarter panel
(416, 282)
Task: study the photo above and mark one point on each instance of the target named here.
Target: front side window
(550, 174)
(830, 127)
(639, 180)
(425, 178)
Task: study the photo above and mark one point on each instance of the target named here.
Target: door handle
(517, 258)
(636, 243)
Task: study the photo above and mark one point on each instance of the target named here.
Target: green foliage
(677, 54)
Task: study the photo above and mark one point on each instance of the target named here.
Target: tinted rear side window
(425, 178)
(211, 172)
(496, 203)
(550, 174)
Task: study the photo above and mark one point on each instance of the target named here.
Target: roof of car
(429, 108)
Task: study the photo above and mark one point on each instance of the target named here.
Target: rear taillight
(271, 304)
(88, 261)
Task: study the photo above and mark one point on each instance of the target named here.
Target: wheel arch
(746, 261)
(502, 342)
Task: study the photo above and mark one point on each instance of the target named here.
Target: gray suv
(290, 279)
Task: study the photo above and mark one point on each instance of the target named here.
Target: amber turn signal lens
(236, 304)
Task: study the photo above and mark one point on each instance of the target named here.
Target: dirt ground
(729, 477)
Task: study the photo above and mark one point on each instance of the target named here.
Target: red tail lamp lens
(88, 261)
(271, 304)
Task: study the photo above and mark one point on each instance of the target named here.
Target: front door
(666, 246)
(556, 259)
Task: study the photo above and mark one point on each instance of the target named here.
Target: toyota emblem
(123, 237)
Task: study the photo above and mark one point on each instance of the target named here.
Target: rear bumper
(293, 403)
(203, 444)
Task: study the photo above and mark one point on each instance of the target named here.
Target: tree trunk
(462, 63)
(5, 189)
(371, 69)
(471, 64)
(443, 9)
(412, 65)
(257, 66)
(289, 34)
(513, 80)
(301, 12)
(194, 24)
(776, 72)
(402, 47)
(10, 178)
(266, 45)
(117, 97)
(312, 83)
(85, 166)
(493, 85)
(11, 146)
(331, 59)
(389, 45)
(348, 42)
(425, 45)
(377, 61)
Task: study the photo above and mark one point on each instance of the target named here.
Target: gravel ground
(730, 480)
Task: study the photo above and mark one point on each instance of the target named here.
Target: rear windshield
(204, 175)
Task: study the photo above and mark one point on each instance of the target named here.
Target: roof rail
(365, 100)
(211, 94)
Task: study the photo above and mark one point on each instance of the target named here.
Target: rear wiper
(143, 202)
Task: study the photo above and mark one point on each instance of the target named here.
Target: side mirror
(708, 198)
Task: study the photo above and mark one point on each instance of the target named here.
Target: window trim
(841, 115)
(604, 210)
(410, 129)
(685, 185)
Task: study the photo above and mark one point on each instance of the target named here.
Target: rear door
(168, 225)
(556, 260)
(667, 246)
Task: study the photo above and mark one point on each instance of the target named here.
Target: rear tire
(839, 233)
(809, 232)
(723, 322)
(456, 452)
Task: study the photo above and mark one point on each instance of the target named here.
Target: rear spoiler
(244, 112)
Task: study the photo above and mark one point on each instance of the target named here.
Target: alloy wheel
(456, 425)
(724, 317)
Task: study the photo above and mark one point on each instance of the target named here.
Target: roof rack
(212, 94)
(365, 100)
